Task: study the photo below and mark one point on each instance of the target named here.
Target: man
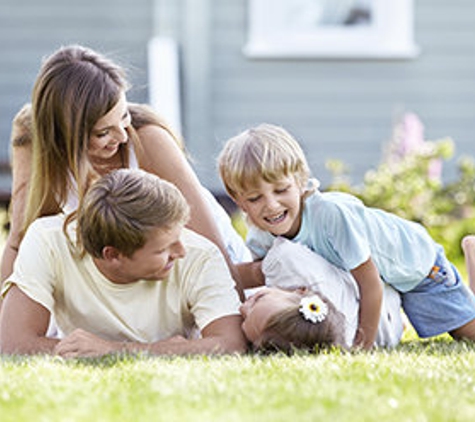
(125, 277)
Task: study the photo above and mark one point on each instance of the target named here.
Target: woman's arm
(21, 171)
(160, 154)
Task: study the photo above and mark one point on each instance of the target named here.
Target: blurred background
(216, 67)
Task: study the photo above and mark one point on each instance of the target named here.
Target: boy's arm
(371, 294)
(250, 274)
(23, 325)
(223, 335)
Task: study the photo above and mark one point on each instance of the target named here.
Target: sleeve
(345, 231)
(210, 289)
(259, 242)
(33, 270)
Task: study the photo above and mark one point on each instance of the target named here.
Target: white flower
(313, 308)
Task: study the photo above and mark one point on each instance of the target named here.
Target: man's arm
(221, 336)
(23, 325)
(371, 296)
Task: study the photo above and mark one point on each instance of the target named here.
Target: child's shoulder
(333, 199)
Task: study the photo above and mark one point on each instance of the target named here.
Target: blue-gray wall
(32, 29)
(344, 108)
(337, 108)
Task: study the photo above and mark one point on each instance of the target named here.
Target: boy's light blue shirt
(347, 233)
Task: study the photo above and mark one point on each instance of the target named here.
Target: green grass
(417, 381)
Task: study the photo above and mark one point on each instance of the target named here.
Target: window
(363, 29)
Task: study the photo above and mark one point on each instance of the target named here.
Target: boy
(133, 279)
(265, 171)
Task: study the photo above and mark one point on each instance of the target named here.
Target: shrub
(408, 182)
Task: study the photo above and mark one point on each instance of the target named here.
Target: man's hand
(81, 343)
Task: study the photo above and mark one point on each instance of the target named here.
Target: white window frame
(389, 36)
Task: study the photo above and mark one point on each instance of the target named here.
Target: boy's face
(260, 307)
(155, 259)
(273, 207)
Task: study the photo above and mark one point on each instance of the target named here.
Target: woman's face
(260, 307)
(109, 132)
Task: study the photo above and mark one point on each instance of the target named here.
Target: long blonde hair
(75, 87)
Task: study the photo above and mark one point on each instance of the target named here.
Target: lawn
(418, 381)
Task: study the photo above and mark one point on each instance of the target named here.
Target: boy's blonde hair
(123, 207)
(265, 152)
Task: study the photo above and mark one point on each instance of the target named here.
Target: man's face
(155, 259)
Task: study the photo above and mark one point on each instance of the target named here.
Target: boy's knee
(466, 331)
(468, 243)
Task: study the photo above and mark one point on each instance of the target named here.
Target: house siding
(344, 109)
(338, 109)
(31, 30)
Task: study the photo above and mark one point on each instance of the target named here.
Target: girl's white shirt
(291, 265)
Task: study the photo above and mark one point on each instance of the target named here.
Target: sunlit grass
(417, 381)
(420, 380)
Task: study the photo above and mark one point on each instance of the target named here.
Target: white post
(164, 79)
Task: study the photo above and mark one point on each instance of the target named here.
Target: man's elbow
(10, 347)
(15, 345)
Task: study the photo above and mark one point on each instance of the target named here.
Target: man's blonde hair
(265, 152)
(123, 207)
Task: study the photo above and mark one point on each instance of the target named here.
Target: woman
(81, 126)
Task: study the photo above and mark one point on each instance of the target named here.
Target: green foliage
(408, 183)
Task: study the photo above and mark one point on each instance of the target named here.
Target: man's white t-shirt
(198, 290)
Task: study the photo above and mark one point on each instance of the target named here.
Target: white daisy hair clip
(313, 308)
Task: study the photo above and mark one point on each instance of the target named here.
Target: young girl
(281, 320)
(310, 302)
(266, 173)
(80, 126)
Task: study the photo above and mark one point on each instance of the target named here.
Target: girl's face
(274, 207)
(260, 307)
(109, 132)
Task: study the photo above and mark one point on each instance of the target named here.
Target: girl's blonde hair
(265, 152)
(75, 88)
(288, 330)
(123, 207)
